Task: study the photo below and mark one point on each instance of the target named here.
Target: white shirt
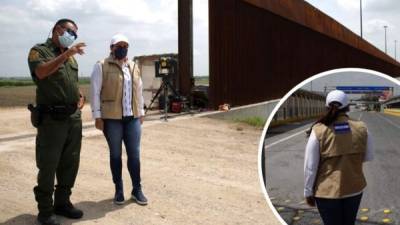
(311, 163)
(95, 90)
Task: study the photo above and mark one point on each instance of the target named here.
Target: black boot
(68, 210)
(119, 194)
(138, 196)
(48, 220)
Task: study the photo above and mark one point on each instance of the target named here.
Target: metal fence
(259, 50)
(300, 106)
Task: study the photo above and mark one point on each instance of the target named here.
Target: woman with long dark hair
(336, 150)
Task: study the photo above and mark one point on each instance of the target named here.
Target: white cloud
(376, 25)
(376, 14)
(369, 6)
(200, 37)
(349, 4)
(132, 10)
(141, 11)
(150, 25)
(200, 13)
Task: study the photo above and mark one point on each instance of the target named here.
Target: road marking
(364, 209)
(389, 121)
(361, 114)
(387, 211)
(387, 220)
(89, 130)
(316, 221)
(280, 209)
(286, 138)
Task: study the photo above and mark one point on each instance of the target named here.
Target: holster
(36, 116)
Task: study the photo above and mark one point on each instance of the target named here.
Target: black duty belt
(58, 109)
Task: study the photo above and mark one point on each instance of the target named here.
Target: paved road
(284, 171)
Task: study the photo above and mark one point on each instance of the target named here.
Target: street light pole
(385, 39)
(395, 49)
(361, 20)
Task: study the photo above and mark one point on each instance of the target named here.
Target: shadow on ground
(92, 211)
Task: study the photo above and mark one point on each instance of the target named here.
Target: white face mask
(66, 39)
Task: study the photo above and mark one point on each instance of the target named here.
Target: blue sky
(151, 26)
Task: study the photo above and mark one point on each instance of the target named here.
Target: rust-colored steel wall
(185, 46)
(259, 50)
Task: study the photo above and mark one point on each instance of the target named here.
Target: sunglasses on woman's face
(71, 32)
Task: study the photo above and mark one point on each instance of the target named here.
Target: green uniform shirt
(58, 88)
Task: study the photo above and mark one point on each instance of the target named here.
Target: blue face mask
(120, 53)
(66, 39)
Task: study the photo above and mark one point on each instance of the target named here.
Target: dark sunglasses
(71, 32)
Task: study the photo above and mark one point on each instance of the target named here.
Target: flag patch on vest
(342, 128)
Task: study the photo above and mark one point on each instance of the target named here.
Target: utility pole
(395, 49)
(385, 39)
(361, 20)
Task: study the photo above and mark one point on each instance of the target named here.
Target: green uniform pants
(58, 145)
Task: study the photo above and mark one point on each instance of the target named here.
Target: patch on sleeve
(342, 128)
(33, 55)
(72, 61)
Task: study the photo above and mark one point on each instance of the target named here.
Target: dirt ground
(194, 171)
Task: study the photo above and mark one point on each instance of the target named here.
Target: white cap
(118, 38)
(337, 96)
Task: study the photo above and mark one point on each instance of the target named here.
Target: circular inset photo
(330, 150)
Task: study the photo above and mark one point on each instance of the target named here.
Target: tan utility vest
(342, 152)
(112, 89)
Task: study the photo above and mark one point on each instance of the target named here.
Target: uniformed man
(59, 132)
(336, 150)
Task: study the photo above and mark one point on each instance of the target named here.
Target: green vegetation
(15, 82)
(253, 121)
(24, 81)
(201, 80)
(84, 80)
(27, 81)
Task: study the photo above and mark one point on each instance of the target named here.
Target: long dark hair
(330, 116)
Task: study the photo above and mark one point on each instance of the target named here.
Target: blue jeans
(339, 211)
(128, 130)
